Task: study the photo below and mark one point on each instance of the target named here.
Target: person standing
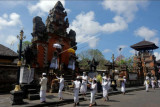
(77, 85)
(93, 92)
(123, 85)
(109, 82)
(146, 83)
(105, 86)
(159, 83)
(153, 82)
(61, 86)
(83, 88)
(43, 83)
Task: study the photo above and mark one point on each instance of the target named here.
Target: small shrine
(144, 60)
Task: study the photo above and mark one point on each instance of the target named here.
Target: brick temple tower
(53, 32)
(144, 60)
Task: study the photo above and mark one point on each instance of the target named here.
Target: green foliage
(88, 55)
(99, 78)
(126, 61)
(25, 44)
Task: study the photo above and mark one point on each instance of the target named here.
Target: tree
(121, 60)
(25, 44)
(88, 55)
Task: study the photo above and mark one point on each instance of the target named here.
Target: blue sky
(106, 25)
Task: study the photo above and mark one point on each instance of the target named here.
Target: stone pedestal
(16, 97)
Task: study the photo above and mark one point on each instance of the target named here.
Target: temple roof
(59, 6)
(4, 51)
(144, 45)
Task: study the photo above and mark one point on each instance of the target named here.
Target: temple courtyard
(135, 96)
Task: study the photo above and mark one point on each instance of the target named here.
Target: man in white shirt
(61, 86)
(83, 88)
(77, 85)
(43, 83)
(105, 87)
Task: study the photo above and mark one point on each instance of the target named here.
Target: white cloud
(12, 3)
(157, 55)
(122, 46)
(43, 6)
(147, 34)
(87, 27)
(11, 39)
(132, 51)
(106, 51)
(118, 25)
(13, 20)
(126, 9)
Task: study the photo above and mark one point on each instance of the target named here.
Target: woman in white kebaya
(123, 88)
(159, 83)
(61, 86)
(93, 92)
(83, 88)
(77, 85)
(146, 83)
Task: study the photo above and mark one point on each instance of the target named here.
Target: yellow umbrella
(70, 50)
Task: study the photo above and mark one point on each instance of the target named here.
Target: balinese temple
(51, 41)
(144, 60)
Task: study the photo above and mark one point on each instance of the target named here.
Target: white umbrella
(56, 45)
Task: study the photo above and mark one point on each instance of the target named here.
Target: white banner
(26, 75)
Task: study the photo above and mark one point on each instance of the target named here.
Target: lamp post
(17, 94)
(114, 85)
(19, 63)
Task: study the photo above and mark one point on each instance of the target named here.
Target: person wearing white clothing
(93, 92)
(77, 85)
(159, 83)
(109, 82)
(104, 77)
(61, 86)
(146, 83)
(43, 83)
(83, 88)
(153, 83)
(123, 85)
(105, 87)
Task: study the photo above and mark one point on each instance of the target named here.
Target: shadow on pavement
(113, 101)
(129, 94)
(50, 96)
(98, 105)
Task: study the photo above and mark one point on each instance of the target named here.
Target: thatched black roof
(144, 45)
(5, 51)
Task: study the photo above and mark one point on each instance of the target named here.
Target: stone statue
(93, 65)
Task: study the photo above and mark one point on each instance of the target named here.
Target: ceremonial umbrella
(70, 50)
(56, 45)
